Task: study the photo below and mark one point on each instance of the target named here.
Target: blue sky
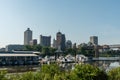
(77, 19)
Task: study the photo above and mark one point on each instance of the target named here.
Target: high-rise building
(45, 41)
(33, 42)
(68, 44)
(60, 40)
(94, 40)
(27, 36)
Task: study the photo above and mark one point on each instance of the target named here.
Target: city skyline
(77, 19)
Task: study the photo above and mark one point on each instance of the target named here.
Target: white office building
(27, 36)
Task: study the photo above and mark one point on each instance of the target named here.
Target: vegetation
(85, 50)
(114, 74)
(88, 72)
(110, 53)
(51, 51)
(33, 48)
(54, 72)
(44, 50)
(2, 75)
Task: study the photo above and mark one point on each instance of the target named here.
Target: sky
(77, 19)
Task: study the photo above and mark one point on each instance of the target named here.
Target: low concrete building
(7, 59)
(2, 50)
(33, 42)
(9, 48)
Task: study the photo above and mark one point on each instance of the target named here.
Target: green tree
(2, 75)
(82, 50)
(70, 51)
(48, 77)
(46, 50)
(54, 72)
(61, 76)
(28, 48)
(50, 70)
(37, 48)
(27, 76)
(14, 77)
(52, 51)
(33, 48)
(87, 72)
(114, 74)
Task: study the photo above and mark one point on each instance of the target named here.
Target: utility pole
(96, 51)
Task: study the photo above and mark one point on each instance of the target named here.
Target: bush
(88, 72)
(3, 74)
(114, 74)
(53, 72)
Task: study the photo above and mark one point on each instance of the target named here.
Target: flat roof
(107, 58)
(13, 55)
(25, 51)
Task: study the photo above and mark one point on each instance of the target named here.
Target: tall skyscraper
(45, 41)
(27, 36)
(60, 40)
(63, 46)
(94, 40)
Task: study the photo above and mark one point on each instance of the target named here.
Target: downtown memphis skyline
(59, 41)
(53, 42)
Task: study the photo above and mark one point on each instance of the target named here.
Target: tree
(114, 74)
(28, 48)
(61, 76)
(50, 70)
(46, 50)
(33, 48)
(87, 72)
(2, 74)
(54, 72)
(37, 48)
(14, 77)
(82, 50)
(70, 51)
(28, 76)
(52, 51)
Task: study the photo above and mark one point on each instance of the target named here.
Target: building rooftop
(59, 32)
(13, 55)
